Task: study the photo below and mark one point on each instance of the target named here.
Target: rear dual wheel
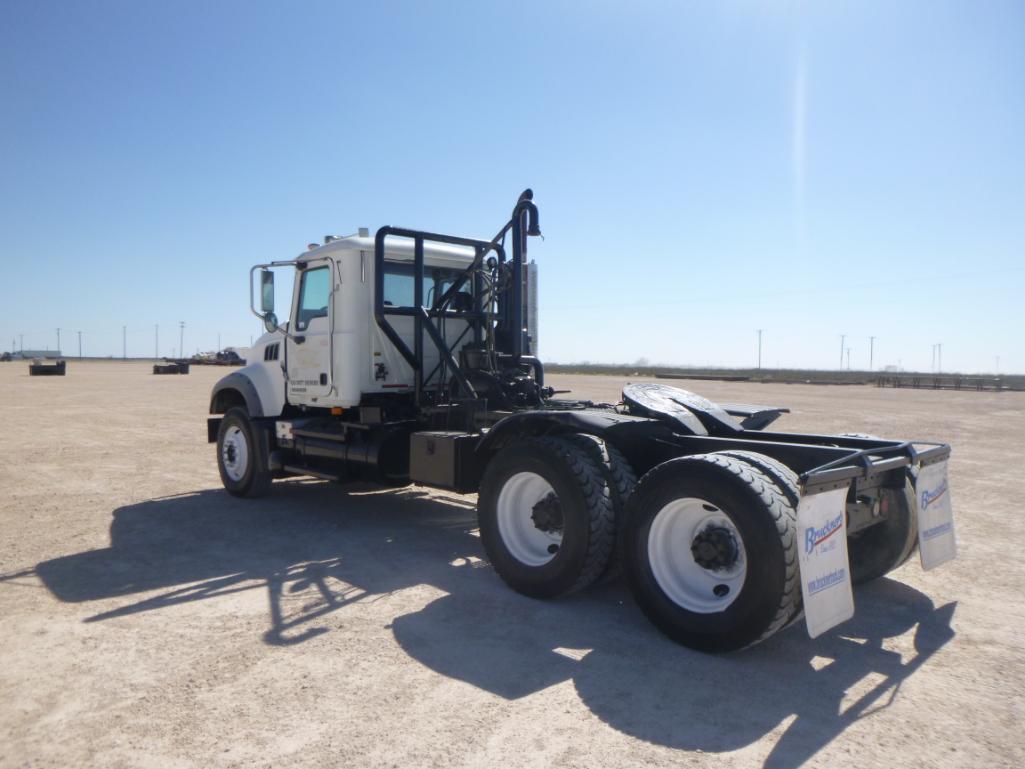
(879, 549)
(711, 551)
(547, 510)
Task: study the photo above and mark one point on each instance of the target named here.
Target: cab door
(308, 345)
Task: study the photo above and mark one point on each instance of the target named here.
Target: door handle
(298, 339)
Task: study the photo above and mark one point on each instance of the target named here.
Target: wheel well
(226, 399)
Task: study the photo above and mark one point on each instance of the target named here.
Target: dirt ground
(150, 620)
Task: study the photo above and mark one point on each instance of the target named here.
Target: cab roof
(396, 248)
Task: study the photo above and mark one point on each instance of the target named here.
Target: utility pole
(124, 343)
(848, 358)
(871, 351)
(759, 349)
(181, 338)
(843, 339)
(218, 341)
(80, 345)
(58, 341)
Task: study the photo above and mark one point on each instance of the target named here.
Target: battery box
(444, 458)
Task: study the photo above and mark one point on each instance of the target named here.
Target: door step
(308, 471)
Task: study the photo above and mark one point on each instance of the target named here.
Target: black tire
(616, 468)
(766, 523)
(621, 478)
(585, 501)
(786, 481)
(253, 479)
(880, 549)
(785, 478)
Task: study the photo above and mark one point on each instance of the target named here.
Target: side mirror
(270, 322)
(267, 292)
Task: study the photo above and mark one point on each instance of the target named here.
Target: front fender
(262, 389)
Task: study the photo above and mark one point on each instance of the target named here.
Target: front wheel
(711, 549)
(241, 460)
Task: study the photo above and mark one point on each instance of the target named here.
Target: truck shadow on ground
(317, 550)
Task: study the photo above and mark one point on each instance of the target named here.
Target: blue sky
(702, 169)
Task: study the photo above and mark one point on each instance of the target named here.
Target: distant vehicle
(410, 357)
(226, 357)
(40, 367)
(230, 357)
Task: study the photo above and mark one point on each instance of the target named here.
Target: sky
(702, 170)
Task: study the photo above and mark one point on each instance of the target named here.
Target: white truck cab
(336, 353)
(332, 353)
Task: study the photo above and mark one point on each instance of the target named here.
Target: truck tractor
(410, 357)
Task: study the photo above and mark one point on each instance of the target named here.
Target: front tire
(712, 552)
(546, 515)
(241, 458)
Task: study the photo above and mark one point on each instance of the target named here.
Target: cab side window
(398, 287)
(399, 284)
(314, 294)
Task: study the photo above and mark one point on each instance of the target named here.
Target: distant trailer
(920, 382)
(47, 368)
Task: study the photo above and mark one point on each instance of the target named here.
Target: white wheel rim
(235, 453)
(684, 581)
(525, 541)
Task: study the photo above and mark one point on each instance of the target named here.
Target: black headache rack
(423, 317)
(491, 308)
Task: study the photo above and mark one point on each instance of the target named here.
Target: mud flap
(936, 543)
(822, 554)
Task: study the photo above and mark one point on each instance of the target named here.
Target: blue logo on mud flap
(930, 497)
(814, 537)
(835, 577)
(938, 531)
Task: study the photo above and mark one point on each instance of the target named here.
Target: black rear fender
(636, 437)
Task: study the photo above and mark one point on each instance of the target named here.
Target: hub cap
(547, 515)
(235, 453)
(697, 555)
(530, 519)
(715, 548)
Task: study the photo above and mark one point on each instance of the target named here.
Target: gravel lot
(150, 620)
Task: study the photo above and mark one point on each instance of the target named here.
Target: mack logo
(929, 497)
(814, 537)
